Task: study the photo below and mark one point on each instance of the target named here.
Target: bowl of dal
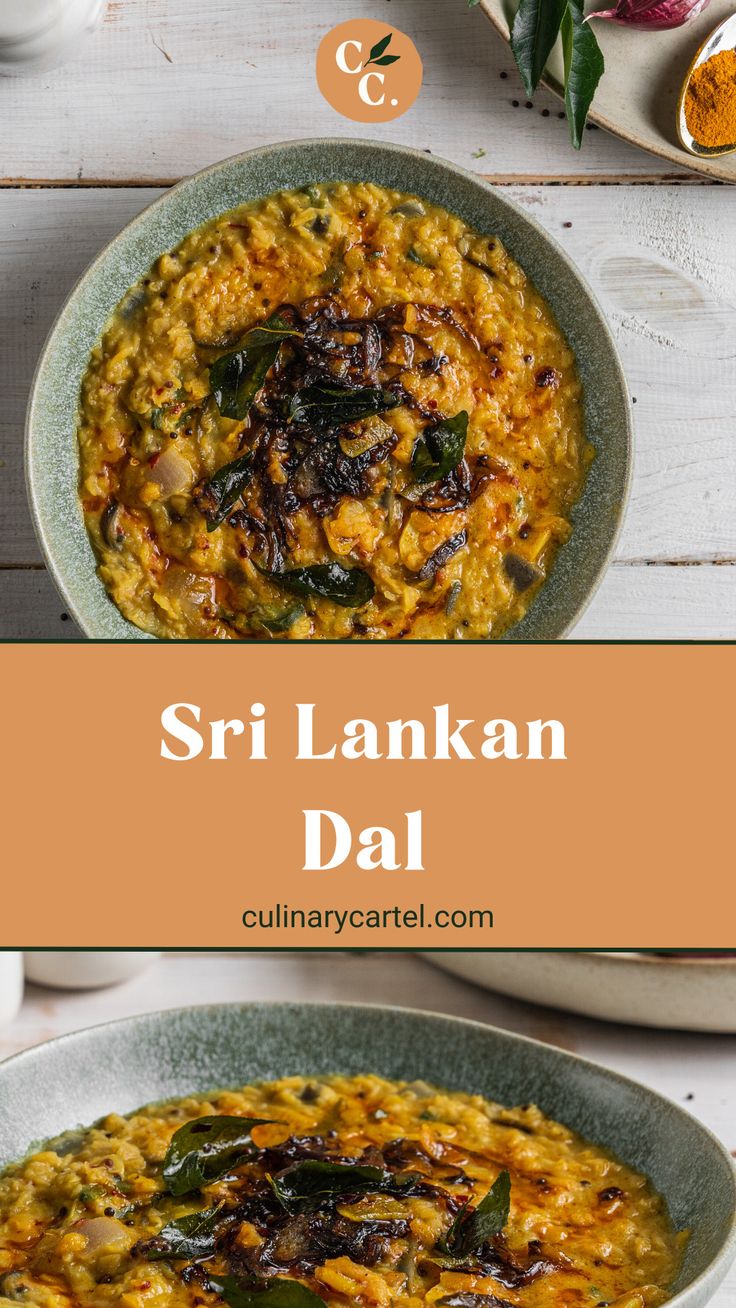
(331, 390)
(337, 1151)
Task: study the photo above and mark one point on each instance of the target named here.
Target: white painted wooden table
(167, 86)
(694, 1070)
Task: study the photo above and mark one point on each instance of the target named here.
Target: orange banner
(407, 796)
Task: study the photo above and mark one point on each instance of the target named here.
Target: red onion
(652, 14)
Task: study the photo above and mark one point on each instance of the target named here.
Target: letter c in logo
(341, 56)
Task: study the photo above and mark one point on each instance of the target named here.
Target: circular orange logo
(368, 71)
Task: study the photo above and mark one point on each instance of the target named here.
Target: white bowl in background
(11, 984)
(85, 969)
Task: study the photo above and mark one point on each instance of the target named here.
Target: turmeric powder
(710, 101)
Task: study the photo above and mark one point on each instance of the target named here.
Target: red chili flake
(433, 404)
(243, 551)
(496, 371)
(547, 377)
(613, 1192)
(144, 1285)
(154, 460)
(240, 227)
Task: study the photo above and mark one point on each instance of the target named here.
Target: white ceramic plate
(691, 994)
(638, 94)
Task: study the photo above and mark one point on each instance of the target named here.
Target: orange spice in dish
(710, 101)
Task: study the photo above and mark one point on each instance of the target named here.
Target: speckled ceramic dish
(688, 994)
(121, 1065)
(51, 445)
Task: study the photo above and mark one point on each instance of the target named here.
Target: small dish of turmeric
(706, 114)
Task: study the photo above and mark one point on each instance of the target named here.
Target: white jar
(11, 984)
(39, 34)
(85, 969)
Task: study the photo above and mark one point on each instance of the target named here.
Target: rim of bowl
(716, 1269)
(66, 589)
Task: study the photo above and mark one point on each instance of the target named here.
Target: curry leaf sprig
(535, 29)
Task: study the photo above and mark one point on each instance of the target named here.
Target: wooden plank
(31, 607)
(656, 257)
(161, 90)
(46, 240)
(642, 602)
(637, 602)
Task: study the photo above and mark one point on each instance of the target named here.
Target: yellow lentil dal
(433, 536)
(81, 1222)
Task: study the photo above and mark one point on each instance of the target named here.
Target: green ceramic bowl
(121, 1065)
(51, 446)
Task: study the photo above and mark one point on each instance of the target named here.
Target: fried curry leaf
(193, 1236)
(348, 587)
(223, 490)
(328, 407)
(204, 1149)
(316, 1179)
(237, 377)
(474, 1226)
(439, 449)
(276, 1292)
